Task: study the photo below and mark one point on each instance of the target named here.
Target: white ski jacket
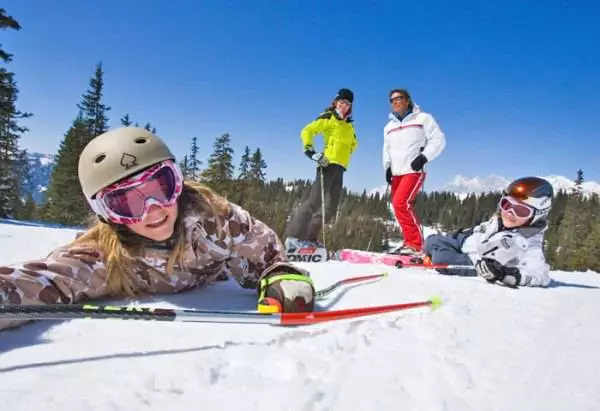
(526, 251)
(404, 140)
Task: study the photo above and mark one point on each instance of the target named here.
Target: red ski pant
(404, 190)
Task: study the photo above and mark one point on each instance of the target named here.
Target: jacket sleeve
(256, 249)
(387, 158)
(436, 140)
(65, 276)
(318, 126)
(534, 270)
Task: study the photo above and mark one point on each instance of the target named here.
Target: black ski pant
(306, 221)
(446, 249)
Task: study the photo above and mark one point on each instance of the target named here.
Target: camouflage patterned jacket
(244, 248)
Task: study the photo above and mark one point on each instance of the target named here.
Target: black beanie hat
(345, 94)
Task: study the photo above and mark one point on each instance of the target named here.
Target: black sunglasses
(397, 98)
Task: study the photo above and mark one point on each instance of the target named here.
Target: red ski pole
(323, 316)
(91, 311)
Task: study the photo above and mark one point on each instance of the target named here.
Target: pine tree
(126, 121)
(587, 257)
(578, 182)
(7, 22)
(571, 232)
(220, 163)
(257, 166)
(193, 164)
(65, 202)
(93, 109)
(150, 128)
(183, 166)
(244, 169)
(22, 181)
(13, 161)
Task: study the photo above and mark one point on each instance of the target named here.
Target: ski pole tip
(436, 302)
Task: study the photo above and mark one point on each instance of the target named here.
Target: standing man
(411, 139)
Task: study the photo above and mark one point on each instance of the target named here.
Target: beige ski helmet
(117, 154)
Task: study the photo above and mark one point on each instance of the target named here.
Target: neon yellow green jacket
(339, 137)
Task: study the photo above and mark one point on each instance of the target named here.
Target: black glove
(293, 292)
(319, 158)
(309, 152)
(388, 175)
(492, 271)
(418, 163)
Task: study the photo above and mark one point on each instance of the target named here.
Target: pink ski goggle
(518, 209)
(128, 201)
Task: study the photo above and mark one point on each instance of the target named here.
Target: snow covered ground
(486, 348)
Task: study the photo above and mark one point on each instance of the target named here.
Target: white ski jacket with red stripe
(404, 140)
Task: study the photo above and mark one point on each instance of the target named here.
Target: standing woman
(339, 138)
(411, 139)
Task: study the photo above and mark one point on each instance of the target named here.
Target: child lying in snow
(508, 247)
(157, 234)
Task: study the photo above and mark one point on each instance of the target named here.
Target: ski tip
(269, 306)
(385, 274)
(436, 302)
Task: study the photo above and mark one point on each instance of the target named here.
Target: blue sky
(513, 84)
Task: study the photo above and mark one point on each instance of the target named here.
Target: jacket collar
(398, 119)
(337, 116)
(526, 231)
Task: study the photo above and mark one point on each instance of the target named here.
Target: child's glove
(293, 292)
(491, 270)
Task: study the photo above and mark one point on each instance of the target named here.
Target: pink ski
(370, 257)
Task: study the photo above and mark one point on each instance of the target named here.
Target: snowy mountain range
(41, 166)
(462, 186)
(40, 171)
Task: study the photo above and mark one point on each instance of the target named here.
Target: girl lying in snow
(156, 234)
(508, 247)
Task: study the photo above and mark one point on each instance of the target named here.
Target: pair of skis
(92, 311)
(394, 260)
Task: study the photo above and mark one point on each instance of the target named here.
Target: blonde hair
(119, 255)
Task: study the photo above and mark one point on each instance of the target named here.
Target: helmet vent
(140, 140)
(99, 159)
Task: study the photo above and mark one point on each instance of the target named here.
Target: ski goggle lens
(131, 201)
(519, 209)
